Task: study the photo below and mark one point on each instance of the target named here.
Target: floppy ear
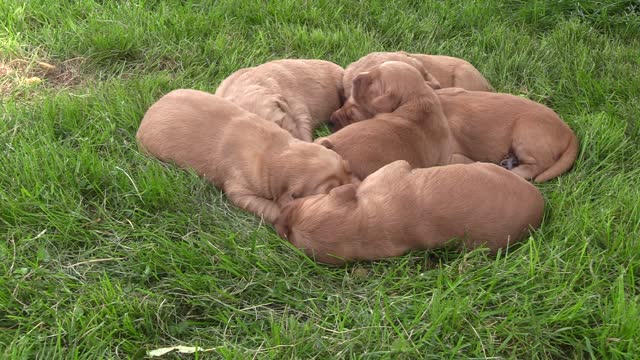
(325, 142)
(346, 165)
(341, 94)
(432, 82)
(360, 84)
(282, 227)
(398, 166)
(385, 103)
(435, 85)
(281, 105)
(282, 222)
(426, 75)
(346, 192)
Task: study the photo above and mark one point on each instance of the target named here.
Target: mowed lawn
(106, 253)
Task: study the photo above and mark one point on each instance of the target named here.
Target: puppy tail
(563, 164)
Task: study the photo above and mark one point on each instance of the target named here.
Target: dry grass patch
(19, 74)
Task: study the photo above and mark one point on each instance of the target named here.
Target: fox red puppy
(519, 134)
(523, 136)
(437, 70)
(410, 124)
(257, 164)
(399, 209)
(296, 94)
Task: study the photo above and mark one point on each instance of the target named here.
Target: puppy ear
(346, 192)
(346, 165)
(282, 104)
(432, 81)
(398, 166)
(435, 85)
(282, 222)
(341, 94)
(426, 75)
(360, 84)
(282, 228)
(385, 103)
(325, 142)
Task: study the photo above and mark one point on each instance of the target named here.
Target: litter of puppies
(424, 153)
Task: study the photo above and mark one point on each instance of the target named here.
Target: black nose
(332, 125)
(335, 121)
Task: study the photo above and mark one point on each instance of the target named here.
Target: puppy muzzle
(336, 121)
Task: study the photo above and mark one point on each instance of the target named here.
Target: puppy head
(387, 86)
(318, 217)
(349, 113)
(310, 169)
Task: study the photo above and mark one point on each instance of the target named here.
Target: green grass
(107, 253)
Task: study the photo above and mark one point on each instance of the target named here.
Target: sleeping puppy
(297, 95)
(410, 124)
(519, 134)
(437, 70)
(397, 209)
(257, 164)
(374, 59)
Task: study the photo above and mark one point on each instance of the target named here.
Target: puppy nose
(331, 125)
(333, 122)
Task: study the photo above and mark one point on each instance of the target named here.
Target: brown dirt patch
(18, 74)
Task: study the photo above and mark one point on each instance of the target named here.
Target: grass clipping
(179, 348)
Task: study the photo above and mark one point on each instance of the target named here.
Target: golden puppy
(519, 134)
(257, 164)
(397, 209)
(410, 124)
(374, 59)
(298, 95)
(437, 70)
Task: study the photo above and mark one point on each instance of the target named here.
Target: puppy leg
(527, 172)
(300, 120)
(304, 129)
(260, 206)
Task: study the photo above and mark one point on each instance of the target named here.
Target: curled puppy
(519, 134)
(522, 135)
(257, 164)
(410, 124)
(297, 95)
(375, 59)
(437, 70)
(396, 210)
